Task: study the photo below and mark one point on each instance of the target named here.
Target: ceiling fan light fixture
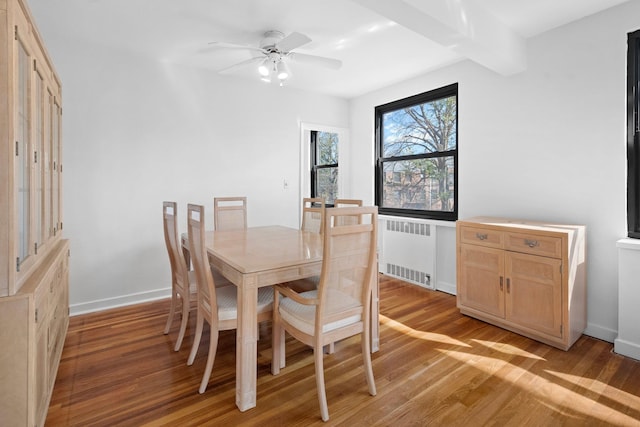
(283, 71)
(264, 69)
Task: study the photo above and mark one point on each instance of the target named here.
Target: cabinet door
(481, 279)
(534, 295)
(41, 365)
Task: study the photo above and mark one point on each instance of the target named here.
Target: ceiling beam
(460, 25)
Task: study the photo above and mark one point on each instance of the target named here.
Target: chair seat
(303, 317)
(304, 285)
(227, 298)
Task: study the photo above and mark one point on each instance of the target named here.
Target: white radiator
(407, 250)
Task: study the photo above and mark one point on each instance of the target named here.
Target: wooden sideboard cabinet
(33, 326)
(525, 276)
(34, 295)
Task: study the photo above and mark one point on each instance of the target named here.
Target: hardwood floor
(434, 367)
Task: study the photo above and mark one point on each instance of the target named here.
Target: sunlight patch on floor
(555, 396)
(617, 395)
(428, 336)
(508, 349)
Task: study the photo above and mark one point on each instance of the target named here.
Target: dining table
(254, 257)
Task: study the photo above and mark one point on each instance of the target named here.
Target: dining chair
(313, 214)
(341, 306)
(311, 283)
(229, 213)
(183, 287)
(344, 203)
(313, 209)
(217, 306)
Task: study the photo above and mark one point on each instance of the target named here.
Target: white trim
(627, 243)
(120, 301)
(626, 348)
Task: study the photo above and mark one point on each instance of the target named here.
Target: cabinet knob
(481, 236)
(531, 243)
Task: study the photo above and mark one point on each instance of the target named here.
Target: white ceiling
(380, 42)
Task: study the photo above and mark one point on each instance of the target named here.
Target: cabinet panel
(534, 297)
(481, 280)
(41, 367)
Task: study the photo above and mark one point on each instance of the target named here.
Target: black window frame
(315, 166)
(422, 98)
(633, 134)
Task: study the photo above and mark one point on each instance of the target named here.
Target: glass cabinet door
(23, 171)
(46, 163)
(38, 159)
(55, 167)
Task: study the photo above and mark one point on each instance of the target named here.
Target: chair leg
(366, 355)
(276, 345)
(330, 348)
(283, 353)
(183, 323)
(196, 338)
(322, 396)
(172, 311)
(211, 357)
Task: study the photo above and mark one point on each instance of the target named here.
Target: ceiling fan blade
(235, 46)
(321, 61)
(241, 64)
(293, 41)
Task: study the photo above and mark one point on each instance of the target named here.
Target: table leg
(375, 318)
(247, 344)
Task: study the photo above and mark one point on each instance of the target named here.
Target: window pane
(424, 128)
(327, 184)
(425, 184)
(327, 148)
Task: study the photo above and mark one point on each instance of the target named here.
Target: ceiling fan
(275, 51)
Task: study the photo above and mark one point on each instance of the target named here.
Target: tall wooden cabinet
(527, 277)
(34, 307)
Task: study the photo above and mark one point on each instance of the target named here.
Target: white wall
(137, 132)
(546, 144)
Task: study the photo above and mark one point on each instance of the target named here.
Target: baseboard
(449, 288)
(121, 301)
(627, 348)
(601, 332)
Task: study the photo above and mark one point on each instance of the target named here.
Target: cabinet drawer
(481, 236)
(548, 246)
(42, 300)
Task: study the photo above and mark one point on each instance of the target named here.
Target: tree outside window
(324, 165)
(417, 151)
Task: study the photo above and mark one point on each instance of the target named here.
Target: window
(633, 135)
(417, 155)
(324, 165)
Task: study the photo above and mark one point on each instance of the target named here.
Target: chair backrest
(200, 260)
(229, 213)
(179, 270)
(344, 203)
(313, 209)
(348, 266)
